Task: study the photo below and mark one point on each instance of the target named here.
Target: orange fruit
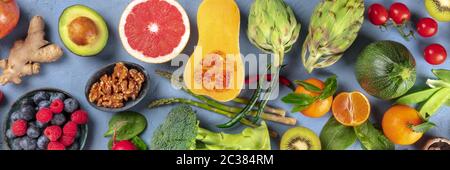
(320, 107)
(351, 109)
(397, 122)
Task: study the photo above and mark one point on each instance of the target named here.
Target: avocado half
(82, 30)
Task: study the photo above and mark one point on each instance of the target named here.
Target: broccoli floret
(181, 131)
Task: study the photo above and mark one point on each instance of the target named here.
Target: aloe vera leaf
(417, 97)
(434, 103)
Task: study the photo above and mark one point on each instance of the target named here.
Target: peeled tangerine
(216, 69)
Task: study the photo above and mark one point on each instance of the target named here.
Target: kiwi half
(300, 138)
(439, 9)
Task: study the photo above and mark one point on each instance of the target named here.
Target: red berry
(57, 106)
(427, 27)
(124, 145)
(44, 115)
(70, 129)
(79, 117)
(19, 127)
(55, 146)
(67, 140)
(53, 132)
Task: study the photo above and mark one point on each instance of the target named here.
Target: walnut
(112, 91)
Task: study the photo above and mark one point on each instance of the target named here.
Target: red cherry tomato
(435, 54)
(399, 13)
(427, 27)
(9, 16)
(378, 15)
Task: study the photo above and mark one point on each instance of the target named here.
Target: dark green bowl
(7, 122)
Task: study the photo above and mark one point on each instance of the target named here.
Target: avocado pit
(83, 31)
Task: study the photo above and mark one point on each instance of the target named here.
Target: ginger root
(26, 55)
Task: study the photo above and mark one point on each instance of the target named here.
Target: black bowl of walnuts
(45, 119)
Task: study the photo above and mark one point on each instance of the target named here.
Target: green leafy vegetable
(335, 136)
(181, 131)
(371, 138)
(127, 125)
(442, 74)
(424, 127)
(434, 103)
(308, 86)
(417, 97)
(438, 83)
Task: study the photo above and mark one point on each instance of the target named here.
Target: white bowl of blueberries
(45, 119)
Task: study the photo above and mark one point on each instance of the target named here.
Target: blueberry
(39, 96)
(15, 116)
(70, 105)
(27, 112)
(33, 132)
(44, 104)
(57, 95)
(74, 146)
(41, 125)
(58, 119)
(27, 102)
(10, 134)
(42, 142)
(28, 143)
(15, 145)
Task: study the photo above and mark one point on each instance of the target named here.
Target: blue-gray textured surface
(72, 72)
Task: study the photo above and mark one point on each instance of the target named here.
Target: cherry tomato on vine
(399, 13)
(427, 27)
(435, 54)
(378, 14)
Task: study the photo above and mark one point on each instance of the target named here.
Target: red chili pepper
(283, 80)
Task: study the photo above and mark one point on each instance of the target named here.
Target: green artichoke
(272, 27)
(334, 27)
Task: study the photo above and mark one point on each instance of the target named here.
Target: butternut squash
(216, 68)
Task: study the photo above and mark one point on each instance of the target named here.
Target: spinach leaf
(137, 141)
(371, 138)
(330, 88)
(308, 86)
(127, 125)
(442, 74)
(335, 136)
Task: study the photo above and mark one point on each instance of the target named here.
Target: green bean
(442, 74)
(417, 97)
(434, 103)
(437, 83)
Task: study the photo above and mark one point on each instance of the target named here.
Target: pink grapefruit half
(154, 31)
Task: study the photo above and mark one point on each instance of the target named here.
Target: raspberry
(44, 115)
(53, 132)
(55, 146)
(70, 129)
(19, 127)
(79, 117)
(1, 96)
(57, 106)
(67, 140)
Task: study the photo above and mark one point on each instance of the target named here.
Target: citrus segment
(351, 109)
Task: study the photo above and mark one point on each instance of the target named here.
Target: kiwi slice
(300, 138)
(439, 9)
